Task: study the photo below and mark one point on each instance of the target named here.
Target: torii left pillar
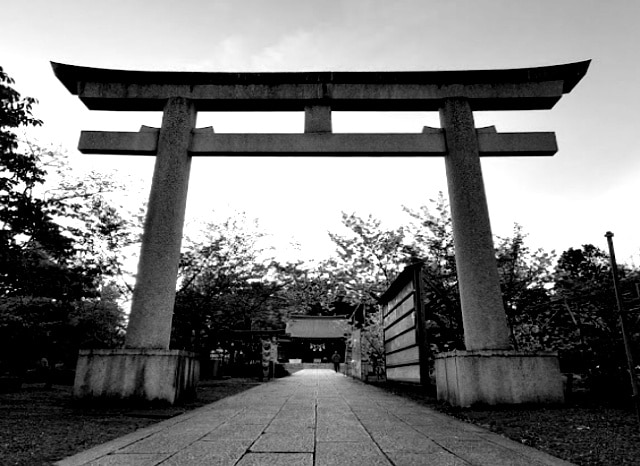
(154, 294)
(146, 368)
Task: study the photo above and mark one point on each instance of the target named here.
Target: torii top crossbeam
(511, 89)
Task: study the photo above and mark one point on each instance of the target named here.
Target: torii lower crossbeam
(204, 142)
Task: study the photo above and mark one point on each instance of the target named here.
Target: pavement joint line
(315, 424)
(186, 445)
(373, 440)
(426, 436)
(249, 448)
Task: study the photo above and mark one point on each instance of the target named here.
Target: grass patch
(584, 431)
(39, 425)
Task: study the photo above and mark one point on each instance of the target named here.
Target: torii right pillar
(489, 371)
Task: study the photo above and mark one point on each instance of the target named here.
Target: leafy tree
(226, 283)
(48, 276)
(310, 290)
(30, 240)
(525, 280)
(431, 241)
(578, 318)
(33, 327)
(368, 259)
(97, 323)
(525, 275)
(85, 205)
(584, 316)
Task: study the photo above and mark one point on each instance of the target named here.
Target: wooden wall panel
(404, 357)
(404, 373)
(409, 321)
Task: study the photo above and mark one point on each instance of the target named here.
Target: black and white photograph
(349, 232)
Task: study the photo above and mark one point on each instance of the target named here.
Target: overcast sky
(589, 187)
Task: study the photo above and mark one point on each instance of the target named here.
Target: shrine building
(313, 339)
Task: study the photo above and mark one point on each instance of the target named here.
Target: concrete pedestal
(136, 374)
(465, 378)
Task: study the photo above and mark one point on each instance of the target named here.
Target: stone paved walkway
(315, 417)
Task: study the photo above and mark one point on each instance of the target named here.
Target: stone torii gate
(147, 368)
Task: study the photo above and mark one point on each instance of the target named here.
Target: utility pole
(625, 336)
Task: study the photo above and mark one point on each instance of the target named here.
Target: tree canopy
(56, 291)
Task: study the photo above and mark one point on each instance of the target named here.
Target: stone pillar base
(465, 378)
(151, 375)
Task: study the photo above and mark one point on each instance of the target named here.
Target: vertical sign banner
(405, 342)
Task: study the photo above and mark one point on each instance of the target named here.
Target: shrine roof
(304, 326)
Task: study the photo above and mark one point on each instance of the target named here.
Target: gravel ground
(39, 426)
(593, 435)
(583, 431)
